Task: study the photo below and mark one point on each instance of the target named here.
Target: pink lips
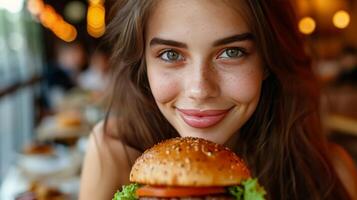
(202, 119)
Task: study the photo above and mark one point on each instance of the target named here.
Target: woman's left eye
(232, 53)
(171, 56)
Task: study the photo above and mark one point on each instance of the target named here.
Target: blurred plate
(50, 129)
(63, 163)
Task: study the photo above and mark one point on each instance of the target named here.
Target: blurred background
(54, 78)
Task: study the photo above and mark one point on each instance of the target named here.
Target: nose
(202, 82)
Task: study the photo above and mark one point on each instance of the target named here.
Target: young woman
(230, 71)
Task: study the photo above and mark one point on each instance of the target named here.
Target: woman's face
(203, 67)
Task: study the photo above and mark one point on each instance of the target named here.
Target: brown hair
(282, 141)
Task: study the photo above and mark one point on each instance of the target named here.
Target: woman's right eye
(171, 56)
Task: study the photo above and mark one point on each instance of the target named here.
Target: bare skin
(206, 67)
(106, 166)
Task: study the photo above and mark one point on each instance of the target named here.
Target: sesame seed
(187, 160)
(196, 148)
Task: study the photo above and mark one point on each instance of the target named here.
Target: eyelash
(242, 52)
(167, 60)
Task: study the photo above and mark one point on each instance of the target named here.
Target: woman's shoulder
(345, 168)
(110, 148)
(107, 138)
(107, 163)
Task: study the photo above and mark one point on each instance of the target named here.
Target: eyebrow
(234, 38)
(223, 41)
(158, 41)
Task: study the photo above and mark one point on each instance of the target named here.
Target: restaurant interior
(55, 73)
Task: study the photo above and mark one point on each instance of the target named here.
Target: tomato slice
(157, 191)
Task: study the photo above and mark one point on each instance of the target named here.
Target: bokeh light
(307, 25)
(96, 20)
(341, 19)
(49, 17)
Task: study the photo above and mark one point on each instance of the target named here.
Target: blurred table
(339, 108)
(15, 183)
(67, 132)
(60, 171)
(50, 129)
(342, 123)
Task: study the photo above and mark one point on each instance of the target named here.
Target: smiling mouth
(202, 119)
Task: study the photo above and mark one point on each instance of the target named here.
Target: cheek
(164, 86)
(243, 87)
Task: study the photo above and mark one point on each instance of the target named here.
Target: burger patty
(211, 197)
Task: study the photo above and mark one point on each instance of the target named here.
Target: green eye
(232, 53)
(171, 56)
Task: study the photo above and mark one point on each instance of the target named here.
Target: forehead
(186, 17)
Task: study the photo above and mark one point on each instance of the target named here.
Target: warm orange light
(341, 19)
(96, 20)
(49, 17)
(96, 16)
(307, 25)
(51, 20)
(61, 28)
(71, 36)
(96, 33)
(65, 31)
(96, 2)
(35, 6)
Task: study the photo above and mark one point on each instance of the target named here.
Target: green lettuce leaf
(248, 190)
(252, 190)
(127, 192)
(237, 192)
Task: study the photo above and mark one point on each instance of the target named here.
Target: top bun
(189, 161)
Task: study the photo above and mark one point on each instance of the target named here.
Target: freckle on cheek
(164, 91)
(243, 90)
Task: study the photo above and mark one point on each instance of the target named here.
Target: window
(20, 60)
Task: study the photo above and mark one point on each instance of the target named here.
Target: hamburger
(190, 169)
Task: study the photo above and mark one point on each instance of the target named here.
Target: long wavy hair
(282, 142)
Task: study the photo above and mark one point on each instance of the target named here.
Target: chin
(214, 134)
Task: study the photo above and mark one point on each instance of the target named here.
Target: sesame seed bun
(189, 162)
